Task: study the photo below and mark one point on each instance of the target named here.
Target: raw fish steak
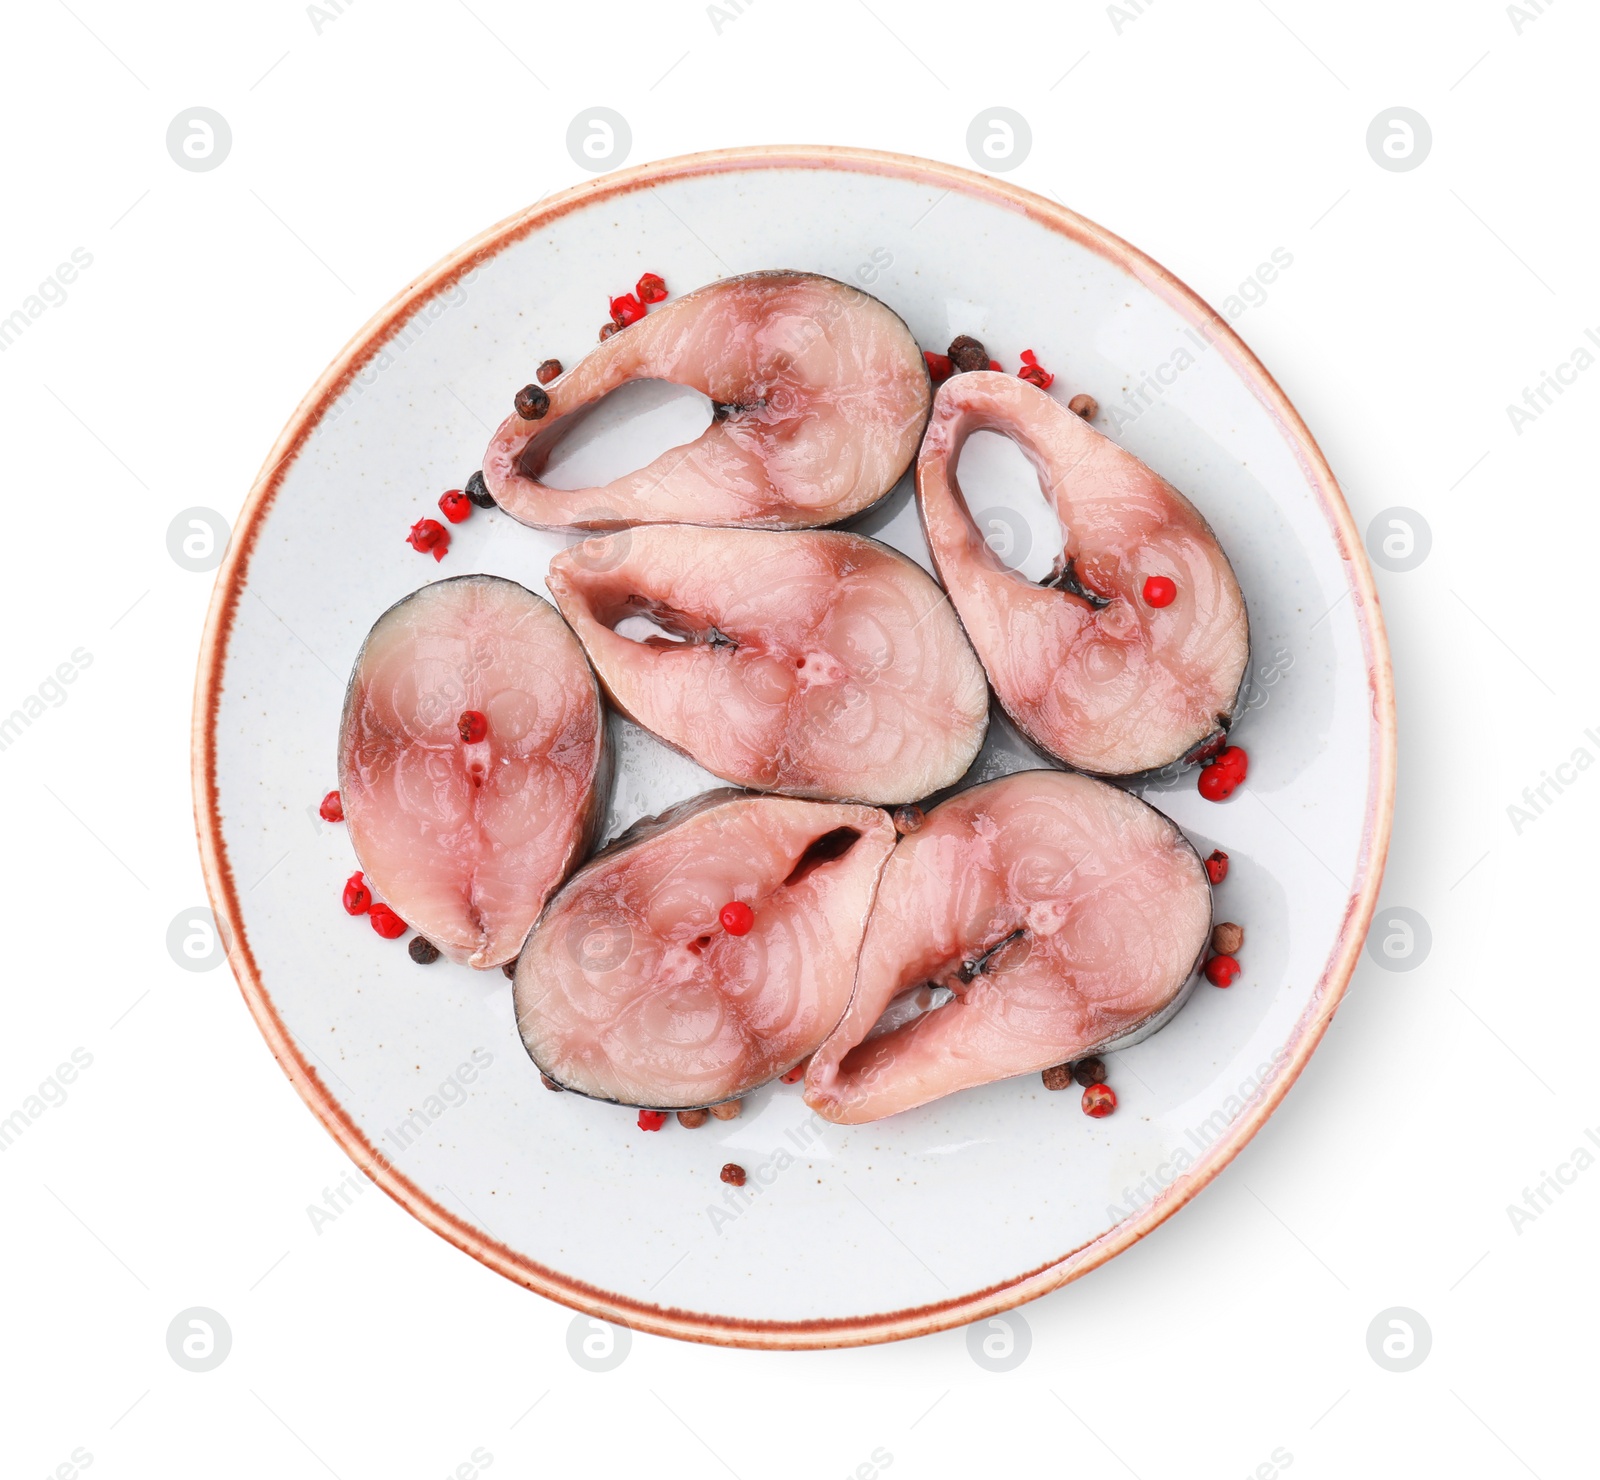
(1089, 669)
(467, 841)
(815, 664)
(630, 989)
(820, 397)
(1064, 915)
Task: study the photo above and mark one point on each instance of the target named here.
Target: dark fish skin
(820, 392)
(466, 843)
(1066, 917)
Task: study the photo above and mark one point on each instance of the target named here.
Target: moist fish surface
(1049, 914)
(1087, 668)
(467, 841)
(814, 663)
(630, 990)
(820, 397)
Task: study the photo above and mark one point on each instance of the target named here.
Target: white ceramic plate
(842, 1235)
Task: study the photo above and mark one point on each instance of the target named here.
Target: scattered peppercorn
(509, 969)
(472, 727)
(388, 924)
(692, 1119)
(455, 505)
(1227, 938)
(733, 1174)
(1099, 1100)
(908, 819)
(967, 353)
(1222, 971)
(1160, 591)
(1217, 866)
(1085, 406)
(547, 371)
(478, 491)
(652, 1120)
(607, 329)
(1033, 372)
(357, 897)
(737, 917)
(939, 366)
(428, 536)
(651, 288)
(727, 1110)
(796, 1074)
(1089, 1071)
(332, 808)
(626, 310)
(1222, 776)
(550, 1084)
(1058, 1076)
(531, 402)
(422, 950)
(996, 365)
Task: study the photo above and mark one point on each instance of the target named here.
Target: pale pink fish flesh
(815, 664)
(1089, 672)
(1065, 915)
(820, 396)
(630, 990)
(466, 842)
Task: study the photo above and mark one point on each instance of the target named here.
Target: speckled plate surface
(842, 1235)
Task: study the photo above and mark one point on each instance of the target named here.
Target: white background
(365, 145)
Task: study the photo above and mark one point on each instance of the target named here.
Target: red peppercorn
(332, 808)
(388, 924)
(652, 1120)
(1222, 971)
(472, 727)
(626, 310)
(1099, 1100)
(357, 897)
(1217, 866)
(547, 371)
(651, 288)
(1160, 591)
(1033, 372)
(607, 329)
(737, 917)
(939, 366)
(996, 365)
(455, 505)
(1224, 775)
(429, 536)
(796, 1074)
(733, 1174)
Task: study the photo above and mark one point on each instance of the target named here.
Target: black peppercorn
(478, 491)
(532, 401)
